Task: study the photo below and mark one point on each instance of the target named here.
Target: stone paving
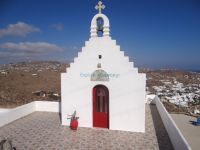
(43, 131)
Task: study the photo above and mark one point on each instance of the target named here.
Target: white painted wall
(3, 110)
(47, 106)
(175, 135)
(16, 113)
(127, 92)
(21, 111)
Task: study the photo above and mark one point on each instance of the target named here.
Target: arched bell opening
(100, 27)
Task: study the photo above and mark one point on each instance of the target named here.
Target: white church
(102, 85)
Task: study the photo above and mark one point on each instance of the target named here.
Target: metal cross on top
(100, 6)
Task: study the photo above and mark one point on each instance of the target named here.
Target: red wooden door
(100, 106)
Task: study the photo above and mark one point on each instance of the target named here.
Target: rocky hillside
(25, 82)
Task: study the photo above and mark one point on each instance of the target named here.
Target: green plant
(73, 116)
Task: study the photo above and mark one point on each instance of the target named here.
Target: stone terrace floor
(43, 131)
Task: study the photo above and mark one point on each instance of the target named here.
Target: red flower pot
(74, 124)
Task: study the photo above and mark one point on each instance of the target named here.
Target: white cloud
(27, 49)
(58, 26)
(18, 29)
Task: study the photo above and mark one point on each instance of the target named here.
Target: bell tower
(100, 25)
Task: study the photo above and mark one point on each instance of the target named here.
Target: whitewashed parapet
(47, 106)
(177, 139)
(3, 110)
(16, 113)
(21, 111)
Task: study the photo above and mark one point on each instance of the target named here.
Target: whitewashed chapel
(101, 84)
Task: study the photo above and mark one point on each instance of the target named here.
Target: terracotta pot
(74, 124)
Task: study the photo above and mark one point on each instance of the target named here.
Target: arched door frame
(100, 106)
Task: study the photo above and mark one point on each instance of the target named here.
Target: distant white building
(101, 84)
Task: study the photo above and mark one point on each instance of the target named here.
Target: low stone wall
(16, 113)
(21, 111)
(3, 110)
(175, 135)
(47, 106)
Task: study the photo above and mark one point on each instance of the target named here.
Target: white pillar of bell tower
(106, 25)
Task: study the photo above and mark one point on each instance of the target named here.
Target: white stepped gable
(116, 100)
(90, 55)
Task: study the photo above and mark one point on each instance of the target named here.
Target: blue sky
(153, 33)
